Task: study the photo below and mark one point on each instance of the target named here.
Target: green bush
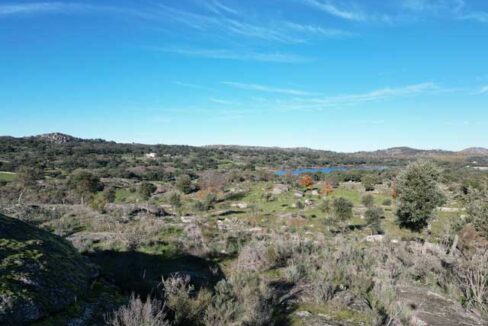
(183, 184)
(146, 189)
(368, 200)
(373, 218)
(418, 194)
(477, 209)
(342, 209)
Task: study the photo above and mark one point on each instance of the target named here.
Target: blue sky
(329, 74)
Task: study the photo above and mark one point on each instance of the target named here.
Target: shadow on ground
(285, 294)
(141, 273)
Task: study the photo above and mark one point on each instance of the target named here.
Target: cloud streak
(307, 101)
(39, 8)
(483, 90)
(228, 54)
(433, 5)
(193, 86)
(375, 95)
(310, 102)
(331, 8)
(61, 8)
(237, 23)
(267, 89)
(451, 9)
(218, 19)
(477, 16)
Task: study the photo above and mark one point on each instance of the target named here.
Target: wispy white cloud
(218, 7)
(63, 8)
(221, 101)
(260, 32)
(315, 103)
(299, 100)
(379, 94)
(37, 8)
(193, 86)
(333, 9)
(317, 30)
(239, 23)
(483, 90)
(450, 9)
(307, 101)
(217, 22)
(478, 16)
(267, 89)
(433, 5)
(239, 55)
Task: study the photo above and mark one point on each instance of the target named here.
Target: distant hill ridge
(475, 151)
(58, 138)
(401, 151)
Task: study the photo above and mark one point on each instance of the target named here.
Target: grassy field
(7, 176)
(280, 213)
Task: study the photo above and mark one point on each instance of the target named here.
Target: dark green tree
(109, 194)
(368, 200)
(342, 209)
(175, 201)
(373, 218)
(418, 194)
(146, 189)
(183, 183)
(26, 178)
(368, 182)
(84, 183)
(477, 208)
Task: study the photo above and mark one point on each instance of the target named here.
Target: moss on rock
(40, 273)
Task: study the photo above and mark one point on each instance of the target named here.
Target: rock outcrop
(431, 309)
(133, 210)
(40, 273)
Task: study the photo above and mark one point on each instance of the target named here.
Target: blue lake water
(330, 169)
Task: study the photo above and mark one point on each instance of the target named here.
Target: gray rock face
(57, 138)
(133, 210)
(432, 309)
(40, 273)
(279, 188)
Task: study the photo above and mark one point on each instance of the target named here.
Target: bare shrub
(321, 288)
(187, 305)
(255, 299)
(472, 276)
(253, 257)
(295, 272)
(193, 240)
(224, 308)
(478, 209)
(137, 313)
(212, 180)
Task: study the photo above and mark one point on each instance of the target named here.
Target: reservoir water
(330, 169)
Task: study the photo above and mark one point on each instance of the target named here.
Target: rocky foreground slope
(40, 273)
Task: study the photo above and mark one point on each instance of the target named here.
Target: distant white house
(150, 155)
(481, 168)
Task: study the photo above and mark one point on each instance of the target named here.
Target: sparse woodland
(212, 236)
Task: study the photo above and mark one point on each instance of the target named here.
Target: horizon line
(258, 146)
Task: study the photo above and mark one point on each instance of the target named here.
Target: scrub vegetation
(180, 235)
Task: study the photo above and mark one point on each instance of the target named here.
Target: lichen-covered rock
(431, 309)
(40, 273)
(133, 210)
(278, 189)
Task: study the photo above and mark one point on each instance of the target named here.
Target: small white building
(150, 155)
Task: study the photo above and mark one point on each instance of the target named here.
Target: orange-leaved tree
(327, 188)
(305, 181)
